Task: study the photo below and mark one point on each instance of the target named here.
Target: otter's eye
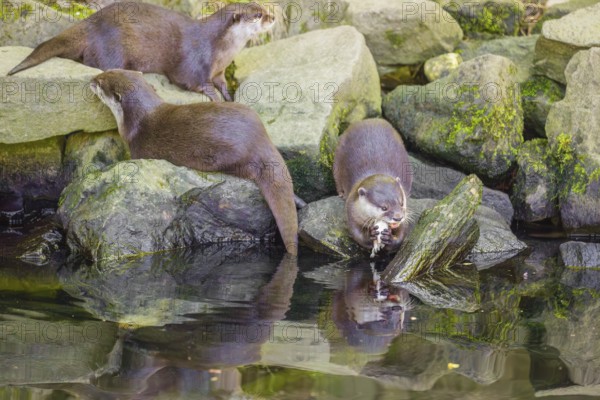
(258, 16)
(384, 208)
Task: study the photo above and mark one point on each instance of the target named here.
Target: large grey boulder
(144, 206)
(562, 38)
(307, 89)
(582, 265)
(54, 98)
(535, 191)
(471, 118)
(572, 129)
(404, 31)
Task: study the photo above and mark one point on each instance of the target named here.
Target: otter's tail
(279, 193)
(50, 48)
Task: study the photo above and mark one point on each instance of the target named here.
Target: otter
(210, 137)
(193, 54)
(373, 175)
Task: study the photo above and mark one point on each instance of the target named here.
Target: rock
(402, 31)
(538, 94)
(305, 105)
(58, 91)
(42, 243)
(323, 227)
(571, 129)
(518, 49)
(580, 254)
(29, 23)
(440, 66)
(442, 236)
(559, 9)
(562, 38)
(432, 181)
(489, 18)
(309, 15)
(496, 242)
(30, 174)
(89, 153)
(145, 206)
(471, 118)
(535, 191)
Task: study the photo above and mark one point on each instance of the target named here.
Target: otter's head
(121, 89)
(382, 198)
(248, 20)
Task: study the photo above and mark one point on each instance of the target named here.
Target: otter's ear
(118, 97)
(362, 191)
(237, 17)
(398, 180)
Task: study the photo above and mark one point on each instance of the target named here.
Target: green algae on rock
(442, 237)
(535, 191)
(146, 206)
(572, 127)
(472, 118)
(538, 94)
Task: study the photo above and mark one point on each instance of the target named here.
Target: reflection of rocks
(577, 338)
(145, 206)
(166, 288)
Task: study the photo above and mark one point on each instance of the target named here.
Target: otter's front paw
(386, 237)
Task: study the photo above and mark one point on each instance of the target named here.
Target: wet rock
(496, 242)
(535, 191)
(146, 206)
(538, 94)
(518, 49)
(29, 23)
(571, 129)
(471, 118)
(41, 244)
(442, 236)
(433, 181)
(484, 19)
(30, 174)
(440, 66)
(305, 105)
(323, 227)
(92, 152)
(562, 38)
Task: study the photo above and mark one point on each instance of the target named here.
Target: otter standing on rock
(210, 137)
(373, 174)
(193, 54)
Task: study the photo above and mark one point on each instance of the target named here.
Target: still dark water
(245, 322)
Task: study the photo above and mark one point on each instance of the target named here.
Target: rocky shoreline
(521, 112)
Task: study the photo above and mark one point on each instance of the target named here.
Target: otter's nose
(397, 219)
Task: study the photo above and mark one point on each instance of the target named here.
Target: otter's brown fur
(373, 174)
(210, 137)
(193, 54)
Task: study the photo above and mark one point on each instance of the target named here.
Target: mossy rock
(535, 191)
(538, 94)
(486, 19)
(472, 118)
